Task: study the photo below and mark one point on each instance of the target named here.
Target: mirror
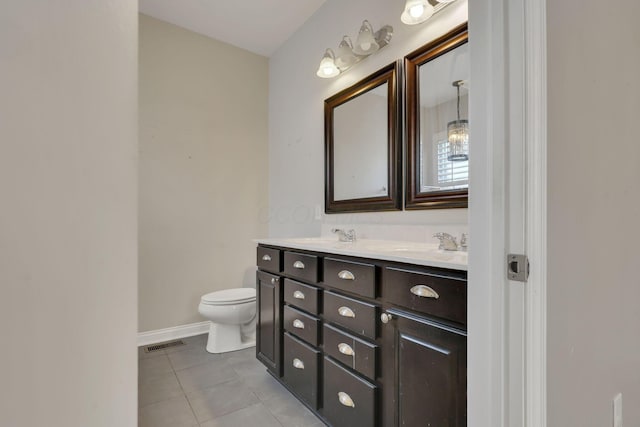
(362, 148)
(437, 123)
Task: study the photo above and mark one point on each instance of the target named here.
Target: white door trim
(489, 364)
(536, 213)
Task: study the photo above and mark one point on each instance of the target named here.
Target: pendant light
(328, 67)
(458, 133)
(416, 12)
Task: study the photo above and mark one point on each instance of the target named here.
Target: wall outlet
(617, 410)
(318, 213)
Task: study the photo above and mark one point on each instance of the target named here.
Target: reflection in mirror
(444, 161)
(362, 146)
(437, 123)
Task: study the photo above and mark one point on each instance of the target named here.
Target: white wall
(203, 170)
(68, 213)
(594, 207)
(296, 118)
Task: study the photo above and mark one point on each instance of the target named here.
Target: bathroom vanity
(369, 333)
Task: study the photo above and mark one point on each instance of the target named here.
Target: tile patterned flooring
(187, 387)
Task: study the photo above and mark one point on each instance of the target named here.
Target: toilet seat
(229, 296)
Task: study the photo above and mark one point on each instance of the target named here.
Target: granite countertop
(426, 254)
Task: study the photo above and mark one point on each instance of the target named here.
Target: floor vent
(162, 346)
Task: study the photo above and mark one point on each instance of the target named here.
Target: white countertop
(389, 250)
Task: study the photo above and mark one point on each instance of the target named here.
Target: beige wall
(68, 213)
(594, 209)
(203, 170)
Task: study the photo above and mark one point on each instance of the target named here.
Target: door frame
(535, 31)
(504, 32)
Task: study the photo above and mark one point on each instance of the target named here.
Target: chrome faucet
(345, 235)
(447, 242)
(463, 242)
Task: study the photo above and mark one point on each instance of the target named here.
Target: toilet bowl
(232, 313)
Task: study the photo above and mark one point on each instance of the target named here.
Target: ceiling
(259, 26)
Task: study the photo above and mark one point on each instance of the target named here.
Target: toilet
(232, 313)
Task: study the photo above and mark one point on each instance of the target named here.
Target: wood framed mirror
(362, 145)
(437, 93)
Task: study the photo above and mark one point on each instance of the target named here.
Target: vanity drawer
(354, 277)
(432, 294)
(354, 315)
(301, 266)
(269, 259)
(301, 369)
(348, 400)
(301, 325)
(302, 296)
(351, 351)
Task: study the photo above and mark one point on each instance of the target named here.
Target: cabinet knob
(299, 324)
(346, 312)
(298, 295)
(345, 349)
(274, 281)
(298, 264)
(386, 317)
(346, 275)
(298, 364)
(345, 399)
(424, 291)
(266, 258)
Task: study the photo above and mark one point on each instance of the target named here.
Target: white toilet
(232, 313)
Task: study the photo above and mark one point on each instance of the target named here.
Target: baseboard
(168, 334)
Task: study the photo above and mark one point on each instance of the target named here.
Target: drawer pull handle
(298, 295)
(345, 399)
(298, 364)
(424, 292)
(346, 312)
(345, 349)
(274, 281)
(346, 275)
(298, 324)
(266, 258)
(386, 318)
(298, 264)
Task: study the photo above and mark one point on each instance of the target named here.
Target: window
(451, 175)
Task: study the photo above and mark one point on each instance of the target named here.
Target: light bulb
(416, 11)
(327, 68)
(366, 43)
(344, 55)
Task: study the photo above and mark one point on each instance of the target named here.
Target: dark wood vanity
(363, 341)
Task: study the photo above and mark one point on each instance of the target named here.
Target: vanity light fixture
(417, 11)
(348, 53)
(458, 133)
(346, 58)
(328, 68)
(365, 43)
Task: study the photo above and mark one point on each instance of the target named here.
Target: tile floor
(187, 387)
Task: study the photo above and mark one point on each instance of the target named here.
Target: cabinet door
(269, 326)
(428, 363)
